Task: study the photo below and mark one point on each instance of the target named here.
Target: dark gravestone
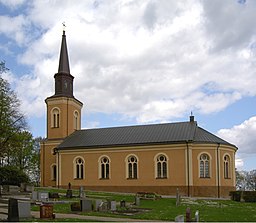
(188, 215)
(122, 204)
(69, 193)
(75, 206)
(13, 210)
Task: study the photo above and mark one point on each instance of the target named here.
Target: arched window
(76, 120)
(204, 166)
(161, 166)
(132, 167)
(55, 123)
(54, 171)
(79, 168)
(226, 167)
(104, 167)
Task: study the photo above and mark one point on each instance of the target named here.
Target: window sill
(132, 178)
(227, 178)
(103, 178)
(78, 178)
(205, 177)
(161, 178)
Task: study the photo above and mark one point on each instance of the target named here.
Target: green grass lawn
(165, 209)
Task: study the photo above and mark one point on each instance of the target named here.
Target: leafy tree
(12, 120)
(18, 150)
(246, 180)
(10, 175)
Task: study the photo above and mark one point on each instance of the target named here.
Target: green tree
(12, 121)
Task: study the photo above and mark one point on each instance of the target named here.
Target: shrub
(235, 195)
(249, 196)
(10, 175)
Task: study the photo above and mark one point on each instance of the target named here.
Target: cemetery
(23, 202)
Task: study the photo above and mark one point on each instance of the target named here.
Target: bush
(235, 195)
(249, 196)
(10, 175)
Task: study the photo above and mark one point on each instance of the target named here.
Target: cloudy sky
(139, 62)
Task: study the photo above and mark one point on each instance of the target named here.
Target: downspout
(58, 172)
(67, 117)
(58, 168)
(43, 164)
(218, 170)
(188, 170)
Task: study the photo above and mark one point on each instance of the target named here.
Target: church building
(155, 158)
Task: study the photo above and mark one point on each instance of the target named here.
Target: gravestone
(46, 211)
(113, 205)
(103, 206)
(43, 196)
(75, 206)
(188, 215)
(29, 188)
(177, 197)
(22, 187)
(34, 195)
(86, 205)
(97, 204)
(24, 209)
(81, 192)
(69, 191)
(137, 200)
(179, 218)
(197, 216)
(13, 210)
(122, 204)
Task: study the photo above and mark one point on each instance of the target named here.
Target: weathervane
(64, 26)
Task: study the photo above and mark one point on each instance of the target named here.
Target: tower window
(76, 120)
(54, 172)
(55, 120)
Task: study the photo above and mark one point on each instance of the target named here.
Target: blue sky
(139, 62)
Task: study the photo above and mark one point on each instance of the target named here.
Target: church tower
(63, 109)
(63, 117)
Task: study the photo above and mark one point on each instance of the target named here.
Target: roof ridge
(126, 126)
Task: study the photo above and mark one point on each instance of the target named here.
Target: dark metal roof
(64, 62)
(140, 135)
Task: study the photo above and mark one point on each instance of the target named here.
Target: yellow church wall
(47, 159)
(146, 166)
(67, 107)
(210, 150)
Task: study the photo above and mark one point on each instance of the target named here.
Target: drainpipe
(58, 156)
(218, 170)
(188, 169)
(58, 172)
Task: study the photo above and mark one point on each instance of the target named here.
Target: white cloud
(243, 136)
(149, 60)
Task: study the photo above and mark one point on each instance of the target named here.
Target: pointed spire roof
(64, 62)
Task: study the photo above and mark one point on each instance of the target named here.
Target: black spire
(63, 79)
(64, 62)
